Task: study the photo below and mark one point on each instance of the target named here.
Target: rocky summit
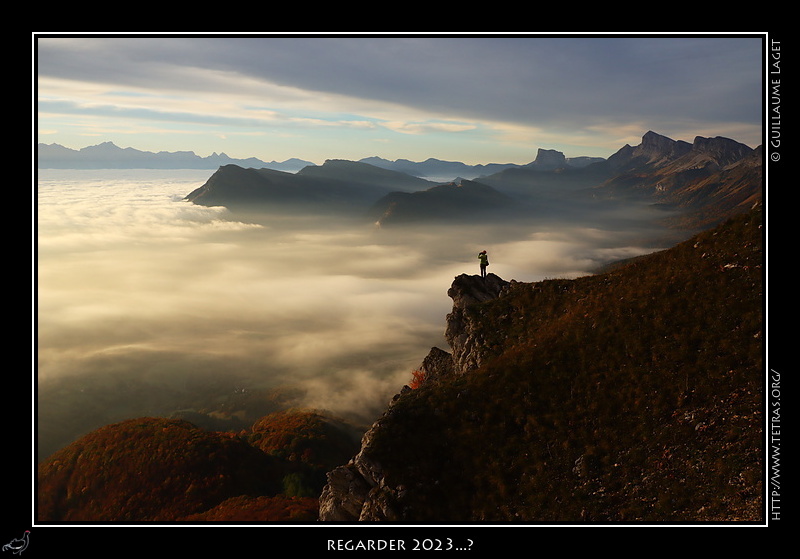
(461, 332)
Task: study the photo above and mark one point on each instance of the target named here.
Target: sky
(476, 99)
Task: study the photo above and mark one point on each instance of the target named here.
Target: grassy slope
(634, 395)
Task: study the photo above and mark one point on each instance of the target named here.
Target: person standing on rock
(484, 259)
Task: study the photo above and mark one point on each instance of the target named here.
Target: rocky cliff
(462, 333)
(672, 171)
(358, 490)
(632, 395)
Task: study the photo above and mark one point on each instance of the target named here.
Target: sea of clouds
(146, 303)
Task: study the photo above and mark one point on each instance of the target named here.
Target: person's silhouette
(484, 259)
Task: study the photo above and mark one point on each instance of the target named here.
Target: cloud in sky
(477, 99)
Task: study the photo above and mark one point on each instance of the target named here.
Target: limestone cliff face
(465, 339)
(359, 490)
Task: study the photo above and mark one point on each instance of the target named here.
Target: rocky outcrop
(358, 491)
(437, 364)
(550, 159)
(464, 338)
(344, 495)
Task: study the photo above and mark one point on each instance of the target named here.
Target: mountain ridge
(555, 405)
(443, 202)
(708, 180)
(335, 184)
(108, 155)
(705, 181)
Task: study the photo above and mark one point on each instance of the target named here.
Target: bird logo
(18, 545)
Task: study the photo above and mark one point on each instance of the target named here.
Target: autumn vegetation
(417, 378)
(157, 469)
(635, 395)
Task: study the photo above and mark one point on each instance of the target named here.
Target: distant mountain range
(431, 168)
(705, 181)
(109, 156)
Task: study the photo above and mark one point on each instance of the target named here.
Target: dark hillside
(153, 469)
(309, 443)
(443, 203)
(634, 395)
(344, 185)
(150, 469)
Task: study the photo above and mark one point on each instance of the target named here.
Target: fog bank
(147, 304)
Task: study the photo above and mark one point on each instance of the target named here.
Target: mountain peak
(658, 148)
(723, 150)
(550, 159)
(105, 146)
